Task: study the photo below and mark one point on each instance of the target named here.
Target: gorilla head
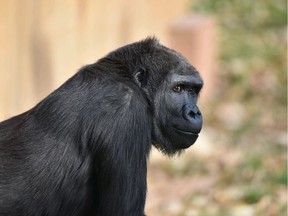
(172, 87)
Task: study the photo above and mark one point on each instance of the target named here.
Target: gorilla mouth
(184, 131)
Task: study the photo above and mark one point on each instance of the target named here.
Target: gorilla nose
(192, 114)
(191, 111)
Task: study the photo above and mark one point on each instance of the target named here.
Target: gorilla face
(177, 119)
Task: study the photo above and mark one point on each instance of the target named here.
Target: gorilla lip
(184, 131)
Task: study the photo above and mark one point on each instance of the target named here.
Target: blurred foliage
(227, 181)
(252, 70)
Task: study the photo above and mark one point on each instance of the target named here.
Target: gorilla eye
(192, 90)
(177, 88)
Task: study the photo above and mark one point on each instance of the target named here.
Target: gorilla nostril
(192, 114)
(191, 111)
(194, 111)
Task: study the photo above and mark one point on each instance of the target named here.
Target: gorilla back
(83, 149)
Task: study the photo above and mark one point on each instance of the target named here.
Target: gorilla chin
(186, 138)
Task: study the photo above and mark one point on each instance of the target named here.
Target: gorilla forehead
(184, 68)
(189, 78)
(176, 62)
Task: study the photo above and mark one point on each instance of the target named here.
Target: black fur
(83, 150)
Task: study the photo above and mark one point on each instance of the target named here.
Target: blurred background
(238, 166)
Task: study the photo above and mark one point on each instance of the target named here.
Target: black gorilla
(83, 149)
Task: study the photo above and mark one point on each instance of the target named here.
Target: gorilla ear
(141, 77)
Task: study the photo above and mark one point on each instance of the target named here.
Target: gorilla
(83, 150)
